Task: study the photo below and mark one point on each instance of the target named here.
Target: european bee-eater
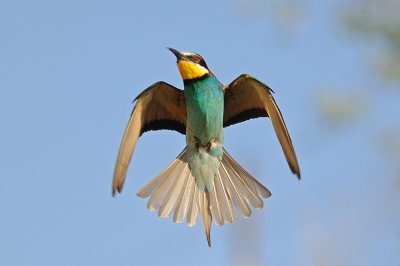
(204, 178)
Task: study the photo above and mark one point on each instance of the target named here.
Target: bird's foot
(198, 144)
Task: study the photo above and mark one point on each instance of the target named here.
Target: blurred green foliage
(378, 21)
(374, 28)
(338, 109)
(285, 15)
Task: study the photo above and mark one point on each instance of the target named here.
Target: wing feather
(161, 106)
(247, 98)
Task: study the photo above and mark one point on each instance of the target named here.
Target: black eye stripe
(203, 63)
(198, 60)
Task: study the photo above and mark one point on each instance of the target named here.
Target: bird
(203, 179)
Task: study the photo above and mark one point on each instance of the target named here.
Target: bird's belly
(204, 129)
(205, 108)
(205, 125)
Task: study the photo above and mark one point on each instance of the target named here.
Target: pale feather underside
(174, 191)
(248, 98)
(161, 106)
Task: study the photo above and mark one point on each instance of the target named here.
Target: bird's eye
(196, 59)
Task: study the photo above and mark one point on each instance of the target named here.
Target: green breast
(205, 108)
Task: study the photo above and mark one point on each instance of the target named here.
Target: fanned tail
(175, 190)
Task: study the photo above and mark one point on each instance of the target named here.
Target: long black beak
(179, 55)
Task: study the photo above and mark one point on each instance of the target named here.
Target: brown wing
(161, 106)
(247, 98)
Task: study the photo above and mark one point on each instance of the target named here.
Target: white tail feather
(206, 214)
(175, 190)
(193, 209)
(172, 197)
(224, 201)
(183, 201)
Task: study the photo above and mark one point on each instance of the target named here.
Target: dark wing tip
(115, 190)
(295, 170)
(298, 175)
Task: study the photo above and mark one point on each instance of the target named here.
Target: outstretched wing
(161, 106)
(247, 98)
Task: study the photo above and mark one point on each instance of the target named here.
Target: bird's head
(190, 65)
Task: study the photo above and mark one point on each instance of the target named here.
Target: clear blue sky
(69, 71)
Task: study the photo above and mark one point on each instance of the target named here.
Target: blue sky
(68, 74)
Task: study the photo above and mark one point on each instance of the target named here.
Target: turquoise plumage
(205, 113)
(204, 179)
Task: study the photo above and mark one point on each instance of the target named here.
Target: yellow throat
(190, 70)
